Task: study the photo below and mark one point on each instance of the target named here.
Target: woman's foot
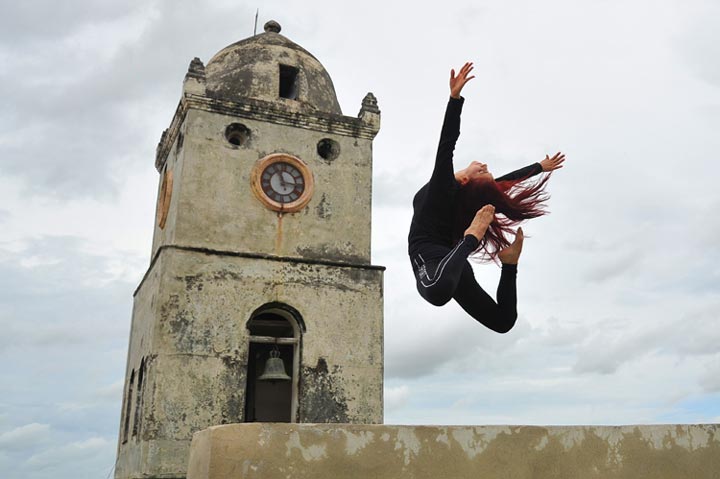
(511, 254)
(480, 223)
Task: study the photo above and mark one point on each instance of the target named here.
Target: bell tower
(260, 302)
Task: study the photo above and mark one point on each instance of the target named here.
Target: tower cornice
(366, 125)
(258, 256)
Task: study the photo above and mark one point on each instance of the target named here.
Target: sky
(619, 287)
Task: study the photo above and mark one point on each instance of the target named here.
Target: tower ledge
(365, 126)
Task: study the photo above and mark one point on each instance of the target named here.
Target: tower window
(288, 82)
(138, 399)
(328, 149)
(128, 407)
(237, 134)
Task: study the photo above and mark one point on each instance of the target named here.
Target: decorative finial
(369, 103)
(272, 26)
(196, 68)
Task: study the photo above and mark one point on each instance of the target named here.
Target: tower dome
(272, 68)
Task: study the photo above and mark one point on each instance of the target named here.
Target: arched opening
(138, 399)
(128, 407)
(273, 327)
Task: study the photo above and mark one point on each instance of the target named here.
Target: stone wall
(189, 329)
(300, 451)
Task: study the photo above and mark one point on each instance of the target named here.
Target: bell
(274, 368)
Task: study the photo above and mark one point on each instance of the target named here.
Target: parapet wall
(319, 451)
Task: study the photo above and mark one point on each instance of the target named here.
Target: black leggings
(443, 273)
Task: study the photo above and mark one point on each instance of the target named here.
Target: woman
(447, 226)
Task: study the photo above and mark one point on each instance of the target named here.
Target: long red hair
(514, 201)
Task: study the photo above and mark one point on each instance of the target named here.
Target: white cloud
(395, 397)
(112, 391)
(710, 379)
(72, 453)
(24, 436)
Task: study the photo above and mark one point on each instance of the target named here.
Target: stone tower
(261, 248)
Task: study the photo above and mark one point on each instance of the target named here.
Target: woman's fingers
(554, 163)
(458, 81)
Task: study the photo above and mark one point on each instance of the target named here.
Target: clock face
(282, 182)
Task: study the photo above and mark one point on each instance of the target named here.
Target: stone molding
(242, 254)
(264, 111)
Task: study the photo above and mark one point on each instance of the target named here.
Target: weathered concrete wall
(131, 450)
(174, 163)
(191, 313)
(216, 208)
(299, 451)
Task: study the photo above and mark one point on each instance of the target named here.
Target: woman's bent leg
(500, 316)
(438, 277)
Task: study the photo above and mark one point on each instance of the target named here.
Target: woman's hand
(458, 82)
(550, 164)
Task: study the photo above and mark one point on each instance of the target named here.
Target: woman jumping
(455, 216)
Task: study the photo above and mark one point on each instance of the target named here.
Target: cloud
(53, 294)
(62, 128)
(396, 397)
(86, 103)
(65, 320)
(111, 391)
(42, 20)
(710, 380)
(73, 453)
(24, 436)
(441, 339)
(616, 342)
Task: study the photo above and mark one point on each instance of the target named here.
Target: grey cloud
(391, 190)
(92, 457)
(24, 436)
(58, 313)
(111, 391)
(620, 341)
(59, 301)
(618, 264)
(70, 137)
(710, 380)
(461, 343)
(65, 324)
(697, 332)
(611, 347)
(34, 20)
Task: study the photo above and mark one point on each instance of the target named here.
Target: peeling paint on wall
(323, 400)
(416, 452)
(324, 209)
